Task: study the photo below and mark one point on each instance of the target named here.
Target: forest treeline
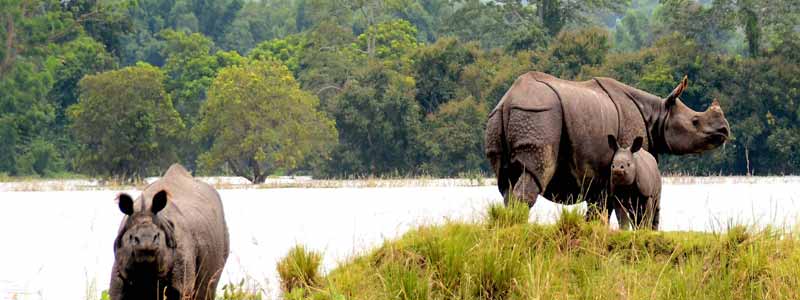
(334, 88)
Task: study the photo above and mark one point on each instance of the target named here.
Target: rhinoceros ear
(671, 99)
(637, 144)
(715, 102)
(159, 201)
(612, 142)
(125, 203)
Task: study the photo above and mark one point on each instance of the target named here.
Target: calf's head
(688, 131)
(623, 166)
(144, 246)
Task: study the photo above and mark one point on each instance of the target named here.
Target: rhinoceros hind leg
(526, 189)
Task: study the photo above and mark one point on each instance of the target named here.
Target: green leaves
(455, 138)
(258, 121)
(379, 123)
(125, 123)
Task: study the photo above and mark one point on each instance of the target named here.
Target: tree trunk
(747, 159)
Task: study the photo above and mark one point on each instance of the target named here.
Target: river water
(58, 244)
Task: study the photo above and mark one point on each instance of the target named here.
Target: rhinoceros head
(688, 131)
(144, 245)
(623, 168)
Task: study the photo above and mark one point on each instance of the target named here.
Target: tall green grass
(300, 269)
(505, 257)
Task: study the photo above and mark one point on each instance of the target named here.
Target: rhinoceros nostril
(136, 240)
(155, 238)
(723, 131)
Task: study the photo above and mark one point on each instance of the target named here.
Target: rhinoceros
(635, 185)
(548, 136)
(172, 242)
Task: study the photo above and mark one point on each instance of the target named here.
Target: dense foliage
(382, 87)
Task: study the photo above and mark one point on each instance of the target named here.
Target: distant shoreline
(44, 185)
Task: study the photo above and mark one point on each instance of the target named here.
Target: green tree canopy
(125, 123)
(455, 138)
(258, 121)
(379, 123)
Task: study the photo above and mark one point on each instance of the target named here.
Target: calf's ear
(159, 201)
(637, 144)
(612, 142)
(125, 203)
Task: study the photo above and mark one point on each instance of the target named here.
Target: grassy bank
(505, 257)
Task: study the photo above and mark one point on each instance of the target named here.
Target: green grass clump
(500, 215)
(504, 257)
(243, 290)
(299, 269)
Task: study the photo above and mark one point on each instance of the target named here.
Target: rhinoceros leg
(653, 212)
(535, 137)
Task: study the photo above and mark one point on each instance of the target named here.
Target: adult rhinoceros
(549, 136)
(172, 242)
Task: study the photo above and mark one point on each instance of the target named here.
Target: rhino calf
(635, 185)
(173, 241)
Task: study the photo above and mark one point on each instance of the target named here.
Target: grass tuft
(299, 269)
(500, 215)
(243, 290)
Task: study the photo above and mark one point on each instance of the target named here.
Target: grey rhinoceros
(635, 185)
(548, 136)
(172, 243)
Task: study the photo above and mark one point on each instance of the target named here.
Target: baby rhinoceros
(635, 185)
(173, 241)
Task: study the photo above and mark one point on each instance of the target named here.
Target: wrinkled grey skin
(635, 185)
(173, 241)
(548, 136)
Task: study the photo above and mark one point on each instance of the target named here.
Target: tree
(494, 24)
(25, 113)
(709, 26)
(393, 40)
(326, 60)
(379, 123)
(633, 32)
(572, 50)
(258, 121)
(80, 57)
(30, 28)
(286, 50)
(555, 14)
(260, 21)
(438, 68)
(190, 67)
(454, 138)
(126, 124)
